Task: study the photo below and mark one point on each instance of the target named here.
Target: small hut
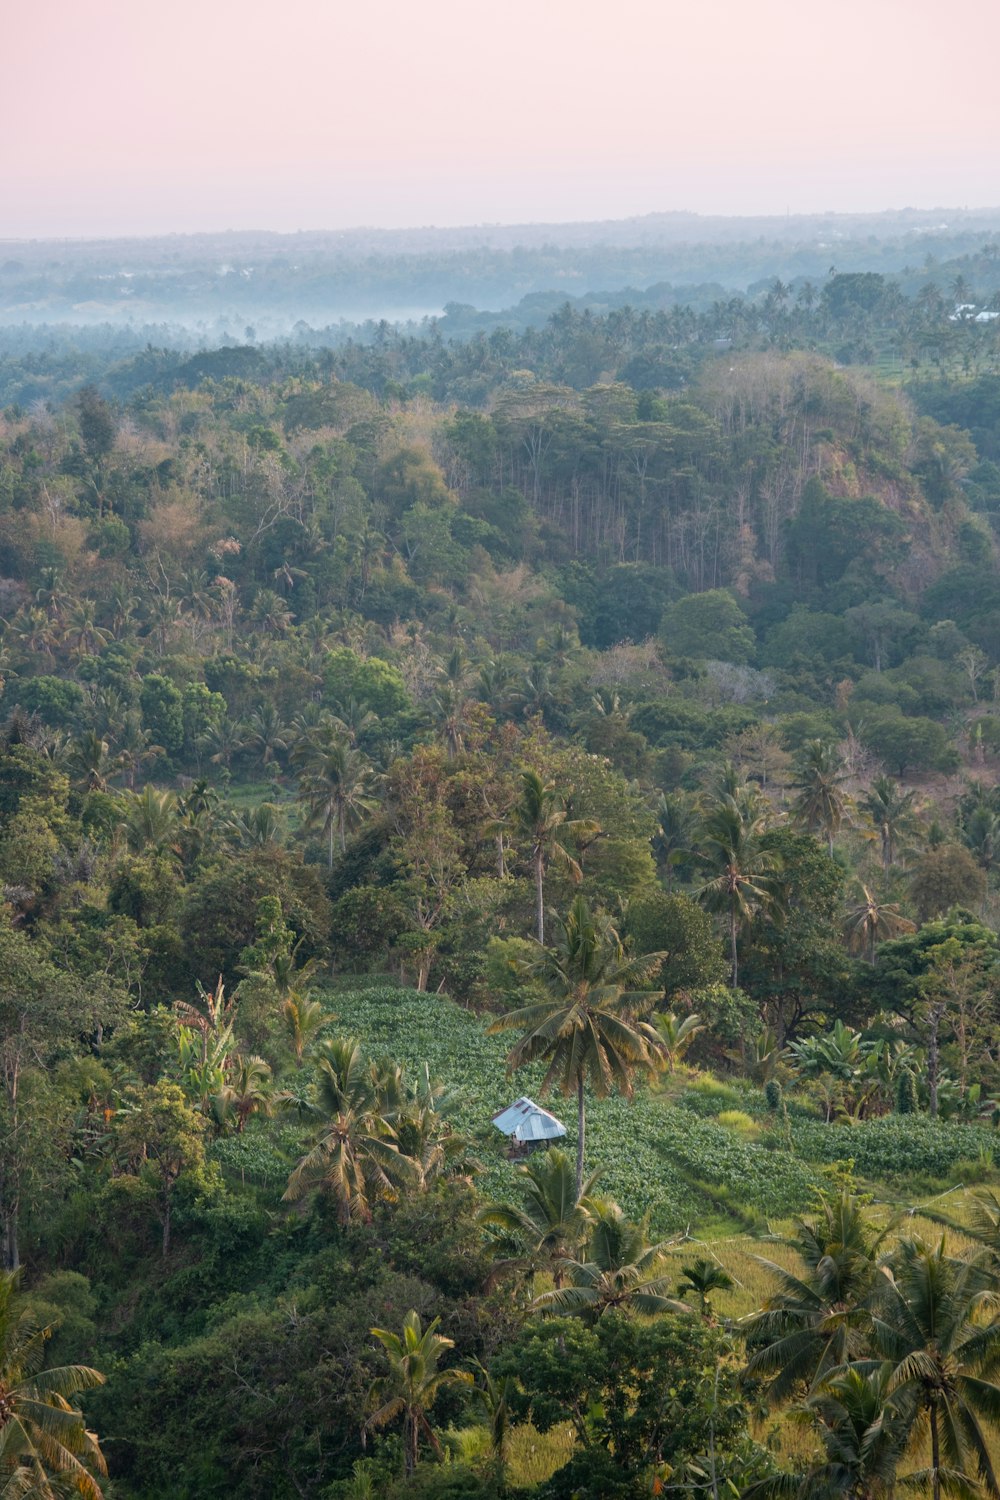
(528, 1125)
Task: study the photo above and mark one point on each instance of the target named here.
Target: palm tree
(873, 921)
(135, 746)
(91, 762)
(44, 1443)
(892, 813)
(355, 1157)
(540, 818)
(337, 787)
(676, 1035)
(745, 881)
(822, 1319)
(151, 819)
(674, 839)
(246, 1091)
(81, 633)
(621, 1270)
(863, 1431)
(266, 734)
(589, 1024)
(821, 803)
(936, 1324)
(304, 1020)
(703, 1277)
(552, 1222)
(411, 1387)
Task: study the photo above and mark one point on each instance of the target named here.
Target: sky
(122, 117)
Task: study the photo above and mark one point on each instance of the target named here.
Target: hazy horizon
(127, 122)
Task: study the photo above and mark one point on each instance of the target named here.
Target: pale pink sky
(128, 116)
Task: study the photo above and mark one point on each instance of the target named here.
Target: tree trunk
(412, 1441)
(10, 1254)
(539, 899)
(166, 1226)
(734, 967)
(936, 1013)
(331, 844)
(935, 1455)
(581, 1127)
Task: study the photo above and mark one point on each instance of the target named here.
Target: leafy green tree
(709, 626)
(945, 877)
(160, 1137)
(41, 1013)
(656, 920)
(652, 1402)
(44, 1441)
(163, 712)
(589, 1025)
(413, 1382)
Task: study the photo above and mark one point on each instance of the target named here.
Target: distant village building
(528, 1125)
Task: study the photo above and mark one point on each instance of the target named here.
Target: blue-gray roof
(525, 1120)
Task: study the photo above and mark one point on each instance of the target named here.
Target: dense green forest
(605, 711)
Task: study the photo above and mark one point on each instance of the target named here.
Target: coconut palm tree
(266, 734)
(872, 921)
(862, 1427)
(44, 1443)
(702, 1278)
(820, 1319)
(355, 1157)
(821, 803)
(337, 787)
(892, 813)
(674, 839)
(552, 1221)
(936, 1324)
(676, 1033)
(411, 1386)
(621, 1270)
(745, 873)
(539, 817)
(246, 1090)
(304, 1020)
(151, 820)
(590, 1023)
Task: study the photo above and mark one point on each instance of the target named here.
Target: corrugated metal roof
(527, 1121)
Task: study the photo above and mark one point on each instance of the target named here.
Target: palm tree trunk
(331, 843)
(734, 966)
(581, 1127)
(935, 1456)
(412, 1440)
(539, 899)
